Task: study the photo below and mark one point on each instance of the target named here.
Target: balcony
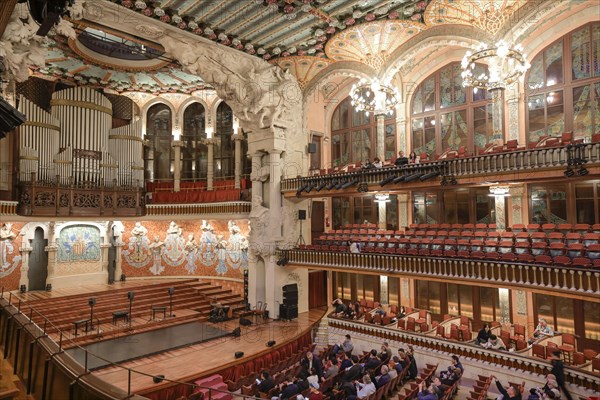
(521, 165)
(580, 282)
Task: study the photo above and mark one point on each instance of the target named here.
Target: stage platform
(140, 345)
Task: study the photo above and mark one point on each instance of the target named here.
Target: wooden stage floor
(201, 359)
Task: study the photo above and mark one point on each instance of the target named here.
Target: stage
(132, 347)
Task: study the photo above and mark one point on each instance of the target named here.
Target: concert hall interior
(195, 192)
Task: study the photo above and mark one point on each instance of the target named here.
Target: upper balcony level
(503, 164)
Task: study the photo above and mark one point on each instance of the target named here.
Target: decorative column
(210, 169)
(104, 251)
(403, 210)
(380, 137)
(257, 189)
(500, 192)
(51, 249)
(512, 113)
(24, 278)
(177, 165)
(382, 199)
(497, 115)
(118, 262)
(237, 138)
(517, 206)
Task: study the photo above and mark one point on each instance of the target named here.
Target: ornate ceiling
(303, 36)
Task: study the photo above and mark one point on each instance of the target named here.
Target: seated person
(512, 393)
(364, 389)
(341, 309)
(456, 364)
(397, 364)
(401, 312)
(439, 385)
(450, 376)
(383, 377)
(315, 394)
(379, 310)
(332, 368)
(494, 343)
(288, 390)
(484, 335)
(367, 165)
(346, 362)
(354, 371)
(265, 383)
(430, 393)
(377, 163)
(373, 361)
(346, 346)
(543, 330)
(386, 352)
(402, 159)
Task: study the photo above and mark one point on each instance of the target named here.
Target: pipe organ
(73, 163)
(75, 146)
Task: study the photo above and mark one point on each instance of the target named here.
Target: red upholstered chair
(578, 358)
(581, 262)
(519, 332)
(589, 354)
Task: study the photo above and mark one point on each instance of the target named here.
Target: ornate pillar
(257, 189)
(51, 249)
(177, 165)
(500, 193)
(382, 199)
(518, 214)
(210, 169)
(104, 249)
(380, 137)
(24, 278)
(497, 115)
(512, 113)
(403, 210)
(237, 138)
(118, 263)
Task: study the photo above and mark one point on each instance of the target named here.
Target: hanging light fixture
(374, 97)
(505, 65)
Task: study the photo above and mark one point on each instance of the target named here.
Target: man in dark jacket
(289, 391)
(354, 372)
(558, 370)
(311, 361)
(267, 383)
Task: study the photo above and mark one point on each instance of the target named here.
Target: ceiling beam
(6, 10)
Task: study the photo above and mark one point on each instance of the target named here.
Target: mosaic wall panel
(10, 257)
(78, 243)
(200, 247)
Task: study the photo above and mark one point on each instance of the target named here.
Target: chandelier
(505, 65)
(374, 97)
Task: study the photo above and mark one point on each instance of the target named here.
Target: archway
(38, 261)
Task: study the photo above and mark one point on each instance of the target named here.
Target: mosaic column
(24, 278)
(516, 200)
(403, 210)
(380, 137)
(500, 193)
(237, 138)
(177, 165)
(497, 115)
(512, 113)
(210, 170)
(382, 213)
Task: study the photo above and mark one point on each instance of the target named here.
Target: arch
(159, 154)
(344, 68)
(194, 150)
(190, 100)
(149, 104)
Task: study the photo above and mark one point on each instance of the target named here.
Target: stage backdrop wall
(185, 248)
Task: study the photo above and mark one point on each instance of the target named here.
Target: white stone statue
(174, 229)
(139, 230)
(6, 232)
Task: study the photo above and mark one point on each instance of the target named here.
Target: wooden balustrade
(587, 379)
(575, 281)
(8, 207)
(235, 207)
(38, 198)
(530, 160)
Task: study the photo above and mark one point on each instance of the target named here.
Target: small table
(79, 323)
(117, 315)
(159, 309)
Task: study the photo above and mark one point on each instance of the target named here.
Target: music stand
(130, 296)
(301, 217)
(91, 303)
(171, 292)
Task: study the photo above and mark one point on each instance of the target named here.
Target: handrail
(527, 160)
(232, 207)
(570, 280)
(508, 359)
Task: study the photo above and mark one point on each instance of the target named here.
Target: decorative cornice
(81, 104)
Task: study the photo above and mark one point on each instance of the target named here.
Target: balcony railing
(511, 360)
(39, 198)
(580, 281)
(8, 207)
(523, 161)
(233, 207)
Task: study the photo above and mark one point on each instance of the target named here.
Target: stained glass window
(443, 119)
(159, 153)
(194, 152)
(560, 102)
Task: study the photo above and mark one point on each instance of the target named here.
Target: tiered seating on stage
(548, 244)
(191, 300)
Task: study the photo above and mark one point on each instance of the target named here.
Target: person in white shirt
(364, 389)
(354, 247)
(377, 163)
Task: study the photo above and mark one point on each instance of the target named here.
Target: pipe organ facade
(75, 147)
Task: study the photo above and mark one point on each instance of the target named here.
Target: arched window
(446, 115)
(159, 153)
(224, 150)
(354, 135)
(563, 87)
(194, 152)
